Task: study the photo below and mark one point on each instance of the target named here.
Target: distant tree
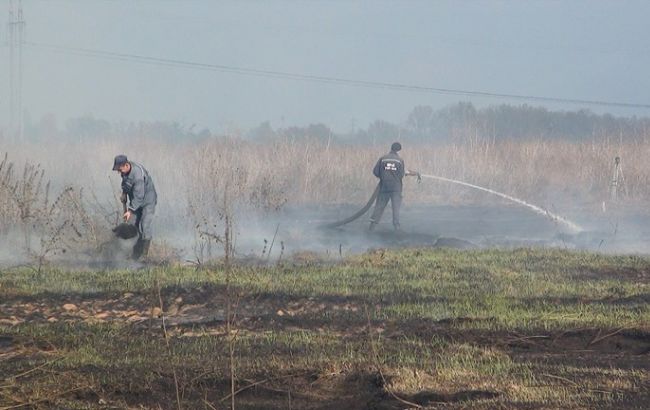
(423, 122)
(383, 131)
(519, 121)
(317, 131)
(204, 134)
(47, 126)
(262, 132)
(87, 127)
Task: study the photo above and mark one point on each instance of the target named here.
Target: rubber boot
(138, 248)
(145, 247)
(397, 228)
(372, 227)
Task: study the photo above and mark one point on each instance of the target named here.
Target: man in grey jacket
(390, 170)
(138, 187)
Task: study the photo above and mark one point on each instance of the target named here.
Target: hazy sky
(594, 50)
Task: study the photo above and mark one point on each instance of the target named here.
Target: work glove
(123, 198)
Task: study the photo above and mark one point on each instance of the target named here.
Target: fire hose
(357, 215)
(367, 206)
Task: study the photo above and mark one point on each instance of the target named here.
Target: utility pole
(16, 39)
(617, 180)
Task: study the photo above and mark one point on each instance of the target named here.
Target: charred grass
(386, 329)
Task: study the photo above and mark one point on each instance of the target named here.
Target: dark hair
(396, 146)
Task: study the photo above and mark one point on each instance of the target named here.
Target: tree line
(423, 124)
(464, 120)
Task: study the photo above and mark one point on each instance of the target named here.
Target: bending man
(390, 170)
(138, 187)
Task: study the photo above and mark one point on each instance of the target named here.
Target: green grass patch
(534, 327)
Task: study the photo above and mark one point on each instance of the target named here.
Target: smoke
(114, 253)
(290, 188)
(277, 236)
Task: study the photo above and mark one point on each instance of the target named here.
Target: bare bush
(48, 227)
(65, 225)
(25, 197)
(9, 213)
(220, 187)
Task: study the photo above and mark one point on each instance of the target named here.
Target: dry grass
(310, 171)
(191, 176)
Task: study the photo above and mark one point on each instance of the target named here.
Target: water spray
(575, 228)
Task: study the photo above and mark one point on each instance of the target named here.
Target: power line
(320, 79)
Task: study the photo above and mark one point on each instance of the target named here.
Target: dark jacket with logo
(390, 170)
(138, 185)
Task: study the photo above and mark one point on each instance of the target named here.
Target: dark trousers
(382, 200)
(142, 219)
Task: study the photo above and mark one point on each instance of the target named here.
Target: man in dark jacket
(390, 170)
(138, 187)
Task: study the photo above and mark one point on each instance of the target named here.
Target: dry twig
(375, 357)
(169, 349)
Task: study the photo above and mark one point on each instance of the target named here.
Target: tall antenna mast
(16, 38)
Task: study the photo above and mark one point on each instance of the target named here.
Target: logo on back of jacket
(390, 166)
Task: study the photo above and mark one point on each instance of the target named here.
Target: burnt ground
(456, 226)
(276, 236)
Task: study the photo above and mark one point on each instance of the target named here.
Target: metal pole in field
(10, 41)
(16, 39)
(20, 29)
(615, 179)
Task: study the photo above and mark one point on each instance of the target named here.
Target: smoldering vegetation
(266, 199)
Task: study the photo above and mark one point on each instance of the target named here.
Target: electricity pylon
(16, 39)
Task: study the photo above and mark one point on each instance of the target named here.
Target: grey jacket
(139, 187)
(390, 170)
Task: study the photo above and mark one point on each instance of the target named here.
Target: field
(385, 329)
(515, 275)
